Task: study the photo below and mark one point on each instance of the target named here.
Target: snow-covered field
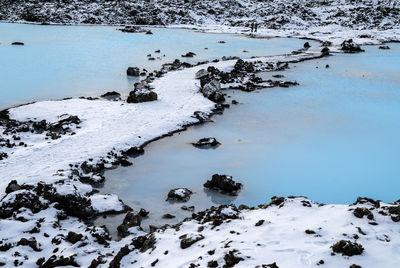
(37, 219)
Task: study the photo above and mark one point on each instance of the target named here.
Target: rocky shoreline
(95, 247)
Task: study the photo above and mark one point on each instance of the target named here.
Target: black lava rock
(224, 184)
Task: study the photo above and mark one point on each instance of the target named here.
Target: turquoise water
(333, 138)
(73, 61)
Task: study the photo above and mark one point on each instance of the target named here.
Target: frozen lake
(333, 138)
(72, 61)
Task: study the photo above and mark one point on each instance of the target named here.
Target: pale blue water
(333, 138)
(73, 61)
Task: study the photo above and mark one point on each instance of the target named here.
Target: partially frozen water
(333, 138)
(72, 61)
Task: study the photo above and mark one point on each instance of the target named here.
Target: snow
(105, 203)
(282, 239)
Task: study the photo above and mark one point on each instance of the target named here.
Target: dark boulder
(231, 259)
(141, 93)
(131, 219)
(133, 71)
(201, 73)
(212, 91)
(224, 184)
(206, 143)
(306, 45)
(349, 46)
(179, 194)
(17, 43)
(384, 47)
(361, 212)
(325, 51)
(131, 29)
(188, 240)
(12, 187)
(348, 248)
(189, 55)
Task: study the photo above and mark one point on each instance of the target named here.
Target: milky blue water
(333, 138)
(73, 61)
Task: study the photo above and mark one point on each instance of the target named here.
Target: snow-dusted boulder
(212, 91)
(179, 194)
(141, 93)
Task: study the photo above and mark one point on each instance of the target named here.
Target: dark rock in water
(143, 213)
(361, 212)
(133, 71)
(201, 116)
(149, 32)
(135, 151)
(235, 102)
(131, 29)
(327, 66)
(206, 143)
(221, 42)
(355, 266)
(272, 265)
(188, 240)
(212, 91)
(12, 187)
(131, 220)
(278, 76)
(179, 194)
(17, 44)
(141, 93)
(157, 51)
(306, 45)
(325, 51)
(191, 208)
(151, 58)
(348, 248)
(189, 55)
(168, 216)
(224, 184)
(231, 259)
(384, 47)
(349, 46)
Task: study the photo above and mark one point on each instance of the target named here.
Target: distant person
(255, 27)
(252, 26)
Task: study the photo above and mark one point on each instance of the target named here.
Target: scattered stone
(191, 208)
(260, 222)
(206, 143)
(224, 184)
(189, 240)
(327, 66)
(355, 266)
(384, 47)
(221, 42)
(348, 248)
(17, 43)
(306, 45)
(179, 194)
(31, 242)
(212, 264)
(310, 232)
(231, 259)
(149, 32)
